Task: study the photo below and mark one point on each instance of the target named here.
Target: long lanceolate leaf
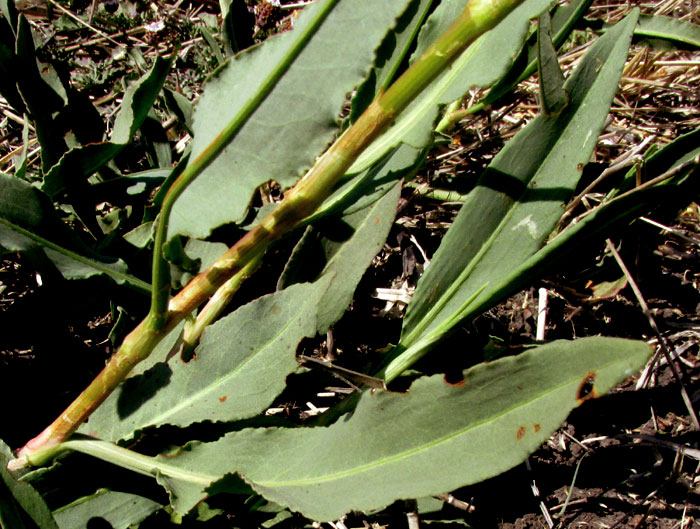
(296, 120)
(673, 29)
(447, 435)
(519, 199)
(239, 367)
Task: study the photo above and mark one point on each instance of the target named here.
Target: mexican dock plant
(269, 113)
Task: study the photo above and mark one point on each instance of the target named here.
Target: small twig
(662, 341)
(678, 233)
(14, 117)
(627, 515)
(541, 314)
(459, 504)
(646, 185)
(683, 450)
(538, 497)
(343, 372)
(296, 5)
(412, 515)
(628, 159)
(81, 21)
(16, 151)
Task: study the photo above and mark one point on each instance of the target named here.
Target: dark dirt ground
(627, 460)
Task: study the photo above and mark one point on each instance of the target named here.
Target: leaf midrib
(575, 379)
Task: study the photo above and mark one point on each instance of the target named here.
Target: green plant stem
(216, 304)
(301, 201)
(161, 279)
(146, 465)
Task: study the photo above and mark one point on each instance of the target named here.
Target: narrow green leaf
(21, 158)
(294, 123)
(553, 96)
(564, 18)
(682, 149)
(211, 42)
(602, 220)
(28, 221)
(668, 28)
(341, 248)
(449, 435)
(519, 199)
(8, 59)
(119, 510)
(78, 163)
(588, 230)
(479, 65)
(41, 98)
(9, 11)
(20, 505)
(179, 105)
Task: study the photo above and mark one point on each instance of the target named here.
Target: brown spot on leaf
(223, 398)
(521, 433)
(536, 427)
(586, 390)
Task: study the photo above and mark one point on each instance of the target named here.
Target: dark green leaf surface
(20, 505)
(28, 221)
(78, 163)
(449, 435)
(293, 124)
(553, 96)
(519, 199)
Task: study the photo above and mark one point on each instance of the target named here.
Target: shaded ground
(617, 462)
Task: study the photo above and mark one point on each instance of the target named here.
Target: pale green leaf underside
(295, 122)
(661, 27)
(119, 509)
(449, 435)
